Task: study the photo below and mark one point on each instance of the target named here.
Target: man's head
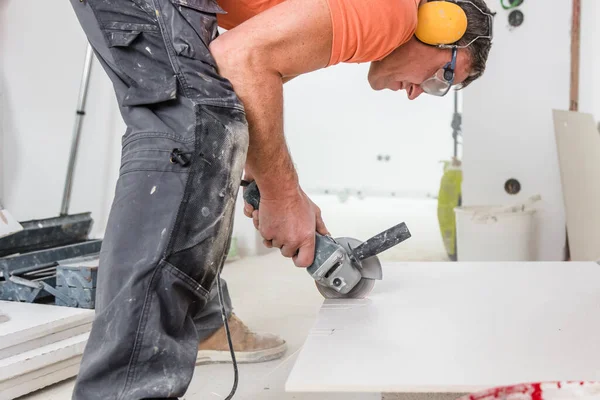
(411, 64)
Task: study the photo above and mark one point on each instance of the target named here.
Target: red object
(571, 390)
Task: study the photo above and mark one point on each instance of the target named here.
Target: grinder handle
(383, 241)
(251, 194)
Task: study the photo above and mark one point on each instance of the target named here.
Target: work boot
(249, 347)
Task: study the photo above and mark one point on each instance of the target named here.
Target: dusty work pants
(170, 223)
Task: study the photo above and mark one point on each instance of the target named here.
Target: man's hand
(289, 224)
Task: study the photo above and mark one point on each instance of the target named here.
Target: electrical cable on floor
(224, 315)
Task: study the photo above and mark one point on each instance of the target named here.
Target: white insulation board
(33, 325)
(39, 379)
(457, 327)
(32, 360)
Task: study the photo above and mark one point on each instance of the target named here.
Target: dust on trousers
(170, 223)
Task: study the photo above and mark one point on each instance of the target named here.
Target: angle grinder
(344, 267)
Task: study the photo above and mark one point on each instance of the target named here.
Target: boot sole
(242, 357)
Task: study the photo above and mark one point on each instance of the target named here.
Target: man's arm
(287, 40)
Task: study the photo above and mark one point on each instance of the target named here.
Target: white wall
(337, 125)
(508, 125)
(508, 129)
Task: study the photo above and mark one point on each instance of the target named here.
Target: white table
(457, 328)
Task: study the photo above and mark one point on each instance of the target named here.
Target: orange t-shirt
(363, 30)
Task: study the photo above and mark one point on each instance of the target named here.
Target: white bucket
(488, 233)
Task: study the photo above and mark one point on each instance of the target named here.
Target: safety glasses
(441, 82)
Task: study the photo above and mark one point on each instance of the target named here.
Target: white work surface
(457, 327)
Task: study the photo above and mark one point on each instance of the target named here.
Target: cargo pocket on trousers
(140, 53)
(201, 16)
(176, 289)
(168, 334)
(156, 152)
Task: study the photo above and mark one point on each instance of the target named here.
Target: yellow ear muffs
(441, 22)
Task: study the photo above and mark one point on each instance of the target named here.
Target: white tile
(45, 340)
(41, 378)
(41, 357)
(31, 325)
(457, 327)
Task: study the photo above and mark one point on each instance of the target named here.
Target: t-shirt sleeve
(239, 11)
(369, 30)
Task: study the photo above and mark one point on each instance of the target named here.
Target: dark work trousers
(170, 223)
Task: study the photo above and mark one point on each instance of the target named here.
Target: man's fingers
(321, 228)
(248, 209)
(288, 251)
(306, 254)
(255, 218)
(248, 176)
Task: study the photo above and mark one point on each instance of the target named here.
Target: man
(199, 108)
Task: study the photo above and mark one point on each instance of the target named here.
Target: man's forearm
(261, 92)
(269, 160)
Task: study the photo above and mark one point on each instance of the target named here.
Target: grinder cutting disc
(371, 270)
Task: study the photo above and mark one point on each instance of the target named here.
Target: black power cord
(233, 360)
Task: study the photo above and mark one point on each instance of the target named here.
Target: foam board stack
(40, 345)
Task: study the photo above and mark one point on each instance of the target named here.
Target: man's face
(407, 67)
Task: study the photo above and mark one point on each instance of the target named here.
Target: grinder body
(332, 266)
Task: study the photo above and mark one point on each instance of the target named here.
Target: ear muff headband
(441, 23)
